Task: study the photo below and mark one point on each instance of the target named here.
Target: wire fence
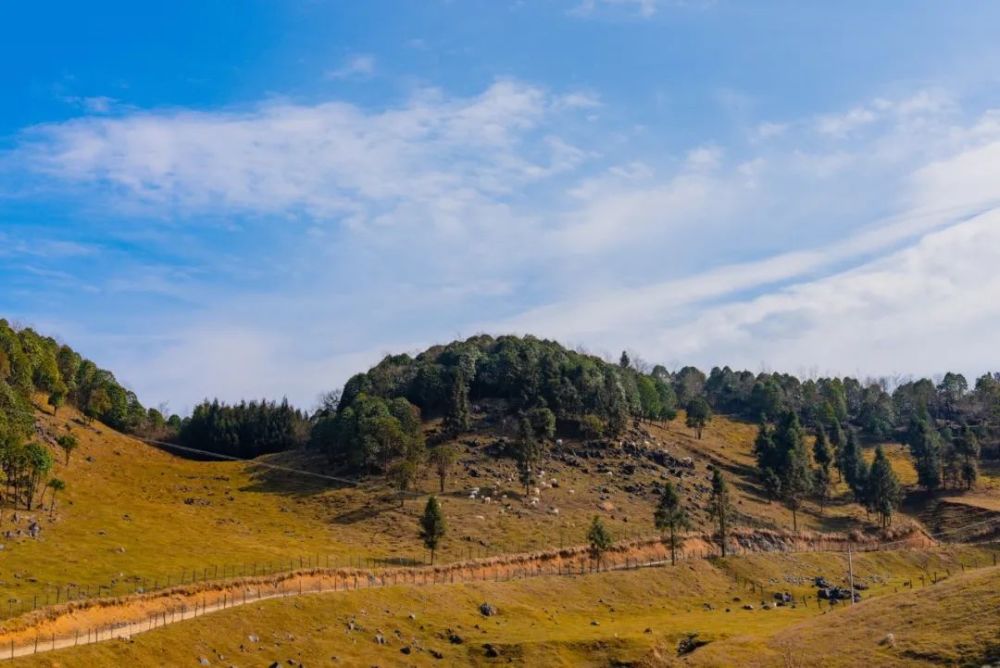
(166, 609)
(134, 584)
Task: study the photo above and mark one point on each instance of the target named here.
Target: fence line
(462, 572)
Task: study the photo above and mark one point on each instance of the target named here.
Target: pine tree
(432, 526)
(599, 540)
(838, 440)
(883, 492)
(796, 476)
(671, 516)
(850, 462)
(459, 417)
(720, 506)
(925, 446)
(528, 454)
(967, 445)
(823, 456)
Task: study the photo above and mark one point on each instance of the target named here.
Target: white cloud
(446, 215)
(360, 65)
(432, 158)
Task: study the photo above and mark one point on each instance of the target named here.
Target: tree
(432, 526)
(967, 445)
(98, 404)
(768, 460)
(56, 485)
(699, 414)
(443, 458)
(793, 464)
(68, 443)
(883, 493)
(838, 439)
(57, 400)
(39, 463)
(720, 505)
(850, 462)
(671, 516)
(528, 454)
(616, 405)
(599, 540)
(458, 418)
(925, 446)
(823, 456)
(591, 426)
(403, 474)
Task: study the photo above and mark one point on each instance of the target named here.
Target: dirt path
(86, 622)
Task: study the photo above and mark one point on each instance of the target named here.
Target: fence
(324, 580)
(58, 593)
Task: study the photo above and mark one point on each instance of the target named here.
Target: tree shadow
(296, 474)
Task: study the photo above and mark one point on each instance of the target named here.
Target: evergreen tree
(528, 454)
(699, 414)
(794, 471)
(850, 462)
(883, 493)
(823, 456)
(967, 446)
(768, 459)
(459, 416)
(598, 539)
(720, 506)
(925, 446)
(838, 439)
(617, 407)
(432, 526)
(671, 516)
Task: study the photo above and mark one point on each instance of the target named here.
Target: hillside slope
(955, 622)
(134, 516)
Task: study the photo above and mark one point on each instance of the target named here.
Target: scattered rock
(202, 661)
(487, 610)
(490, 651)
(888, 641)
(405, 650)
(689, 644)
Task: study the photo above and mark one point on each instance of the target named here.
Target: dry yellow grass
(639, 615)
(133, 515)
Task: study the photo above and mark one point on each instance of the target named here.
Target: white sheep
(487, 499)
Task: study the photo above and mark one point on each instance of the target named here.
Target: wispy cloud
(488, 212)
(360, 65)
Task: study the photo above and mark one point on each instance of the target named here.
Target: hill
(633, 618)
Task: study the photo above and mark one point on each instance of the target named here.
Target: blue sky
(261, 198)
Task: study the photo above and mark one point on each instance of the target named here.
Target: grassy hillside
(590, 620)
(956, 622)
(134, 516)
